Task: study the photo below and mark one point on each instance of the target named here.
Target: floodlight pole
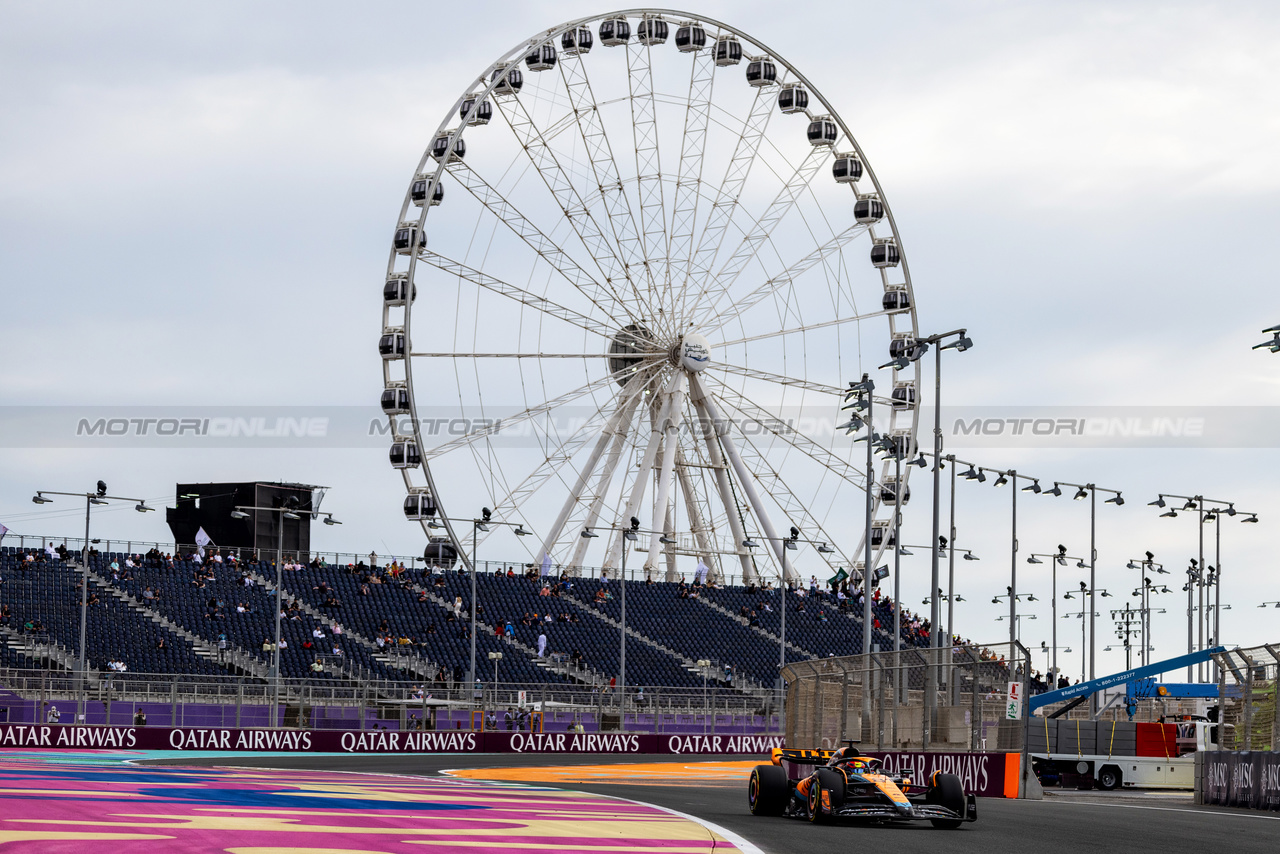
(282, 513)
(935, 607)
(82, 662)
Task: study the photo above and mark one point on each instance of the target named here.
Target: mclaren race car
(848, 785)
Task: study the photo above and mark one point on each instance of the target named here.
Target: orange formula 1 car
(847, 785)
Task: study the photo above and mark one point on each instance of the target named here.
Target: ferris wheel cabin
(419, 191)
(507, 81)
(404, 455)
(480, 116)
(541, 58)
(690, 37)
(419, 506)
(614, 32)
(793, 99)
(761, 72)
(847, 168)
(885, 254)
(576, 42)
(395, 400)
(397, 290)
(652, 31)
(728, 51)
(391, 346)
(408, 237)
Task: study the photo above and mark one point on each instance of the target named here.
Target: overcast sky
(195, 204)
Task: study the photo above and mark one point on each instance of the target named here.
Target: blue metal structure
(1124, 677)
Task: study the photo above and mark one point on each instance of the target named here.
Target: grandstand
(179, 615)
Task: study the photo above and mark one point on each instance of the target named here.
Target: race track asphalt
(1129, 822)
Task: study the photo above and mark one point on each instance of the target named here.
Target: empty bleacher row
(412, 614)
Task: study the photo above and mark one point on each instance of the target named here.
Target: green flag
(840, 575)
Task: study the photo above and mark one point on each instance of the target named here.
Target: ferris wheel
(633, 273)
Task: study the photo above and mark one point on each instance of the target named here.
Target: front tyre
(768, 790)
(947, 791)
(816, 816)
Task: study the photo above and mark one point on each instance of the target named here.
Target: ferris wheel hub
(695, 352)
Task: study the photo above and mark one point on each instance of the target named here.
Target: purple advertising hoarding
(77, 737)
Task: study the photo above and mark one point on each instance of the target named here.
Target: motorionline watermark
(441, 428)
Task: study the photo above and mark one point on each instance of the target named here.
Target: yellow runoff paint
(715, 774)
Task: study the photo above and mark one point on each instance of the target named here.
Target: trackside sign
(74, 736)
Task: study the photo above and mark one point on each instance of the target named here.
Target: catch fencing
(1247, 688)
(948, 699)
(178, 700)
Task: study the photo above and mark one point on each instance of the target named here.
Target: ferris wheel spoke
(794, 330)
(727, 199)
(770, 422)
(779, 379)
(533, 237)
(511, 355)
(759, 235)
(539, 152)
(490, 428)
(707, 409)
(604, 169)
(559, 457)
(689, 177)
(514, 292)
(740, 305)
(791, 505)
(626, 402)
(604, 481)
(649, 185)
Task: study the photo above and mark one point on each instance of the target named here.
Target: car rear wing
(800, 757)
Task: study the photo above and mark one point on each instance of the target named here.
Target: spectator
(542, 644)
(54, 716)
(140, 718)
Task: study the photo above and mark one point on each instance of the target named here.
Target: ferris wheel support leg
(584, 476)
(643, 475)
(670, 426)
(726, 494)
(669, 528)
(744, 478)
(605, 478)
(695, 520)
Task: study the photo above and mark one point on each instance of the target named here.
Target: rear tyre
(947, 791)
(768, 791)
(1109, 778)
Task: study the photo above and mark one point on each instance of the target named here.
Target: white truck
(1120, 754)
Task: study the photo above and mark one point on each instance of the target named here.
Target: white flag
(546, 565)
(3, 531)
(700, 576)
(202, 540)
